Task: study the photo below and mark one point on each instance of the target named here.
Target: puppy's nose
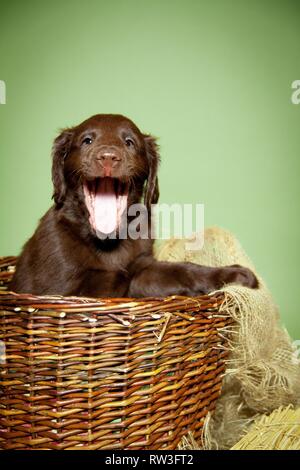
(108, 158)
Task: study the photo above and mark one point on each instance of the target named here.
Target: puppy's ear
(61, 147)
(152, 189)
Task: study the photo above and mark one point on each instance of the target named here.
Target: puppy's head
(107, 160)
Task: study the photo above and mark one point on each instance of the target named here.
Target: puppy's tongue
(106, 210)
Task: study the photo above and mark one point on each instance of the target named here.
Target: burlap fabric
(263, 370)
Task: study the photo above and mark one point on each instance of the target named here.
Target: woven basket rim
(61, 303)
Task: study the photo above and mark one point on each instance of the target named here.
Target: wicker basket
(81, 373)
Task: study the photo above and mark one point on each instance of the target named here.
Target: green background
(212, 79)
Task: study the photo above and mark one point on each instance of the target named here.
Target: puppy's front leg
(157, 278)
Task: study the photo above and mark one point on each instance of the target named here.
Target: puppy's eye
(87, 140)
(129, 142)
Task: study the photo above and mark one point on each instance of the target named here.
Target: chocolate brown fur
(64, 256)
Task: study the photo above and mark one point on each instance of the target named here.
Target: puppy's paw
(243, 276)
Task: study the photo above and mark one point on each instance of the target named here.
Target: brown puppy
(100, 168)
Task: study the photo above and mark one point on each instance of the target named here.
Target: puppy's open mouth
(106, 200)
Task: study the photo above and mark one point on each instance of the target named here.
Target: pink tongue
(106, 219)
